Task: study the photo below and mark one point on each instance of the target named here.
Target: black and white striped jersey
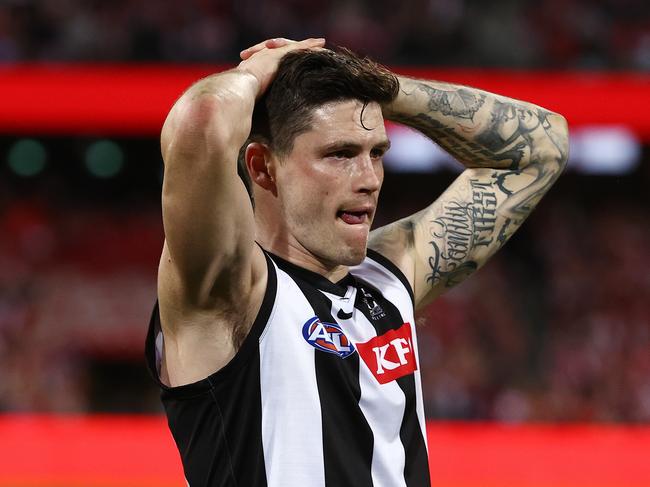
(324, 391)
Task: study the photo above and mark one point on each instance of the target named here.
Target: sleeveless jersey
(324, 391)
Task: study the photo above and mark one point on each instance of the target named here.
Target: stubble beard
(327, 243)
(344, 253)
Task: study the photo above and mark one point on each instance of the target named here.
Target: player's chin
(351, 245)
(354, 253)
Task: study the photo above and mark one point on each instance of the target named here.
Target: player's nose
(369, 175)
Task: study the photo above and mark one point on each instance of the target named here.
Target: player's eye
(341, 154)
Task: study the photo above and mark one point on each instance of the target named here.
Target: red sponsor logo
(391, 355)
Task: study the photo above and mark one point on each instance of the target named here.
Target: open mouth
(352, 217)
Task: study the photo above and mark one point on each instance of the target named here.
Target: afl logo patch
(327, 337)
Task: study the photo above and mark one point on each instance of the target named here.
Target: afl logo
(327, 337)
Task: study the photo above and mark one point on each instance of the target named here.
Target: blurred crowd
(507, 33)
(76, 287)
(556, 327)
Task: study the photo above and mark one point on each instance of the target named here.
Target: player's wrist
(251, 78)
(397, 108)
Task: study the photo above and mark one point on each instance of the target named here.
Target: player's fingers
(312, 42)
(305, 44)
(280, 42)
(277, 42)
(267, 44)
(249, 51)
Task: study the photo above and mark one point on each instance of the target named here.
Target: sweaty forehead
(345, 118)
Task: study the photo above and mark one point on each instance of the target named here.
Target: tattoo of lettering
(519, 141)
(463, 226)
(466, 225)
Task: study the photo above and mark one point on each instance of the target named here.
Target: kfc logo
(391, 355)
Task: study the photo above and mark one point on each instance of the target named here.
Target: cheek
(311, 191)
(302, 201)
(380, 172)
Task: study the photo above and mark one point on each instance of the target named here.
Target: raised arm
(513, 151)
(207, 218)
(211, 276)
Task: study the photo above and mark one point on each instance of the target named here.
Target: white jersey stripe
(292, 437)
(395, 293)
(419, 399)
(376, 399)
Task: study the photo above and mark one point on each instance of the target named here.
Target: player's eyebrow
(383, 145)
(354, 146)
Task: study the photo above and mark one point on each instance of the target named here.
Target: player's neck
(298, 255)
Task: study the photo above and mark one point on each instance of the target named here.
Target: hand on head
(262, 59)
(282, 42)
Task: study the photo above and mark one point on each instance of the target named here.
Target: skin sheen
(327, 189)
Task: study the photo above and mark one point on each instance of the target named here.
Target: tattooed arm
(513, 151)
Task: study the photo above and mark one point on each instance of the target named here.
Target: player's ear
(261, 166)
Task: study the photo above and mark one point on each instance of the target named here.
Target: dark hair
(305, 80)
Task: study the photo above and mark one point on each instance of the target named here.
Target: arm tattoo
(513, 131)
(462, 226)
(461, 103)
(521, 150)
(466, 225)
(397, 235)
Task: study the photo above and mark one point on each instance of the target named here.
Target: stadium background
(535, 372)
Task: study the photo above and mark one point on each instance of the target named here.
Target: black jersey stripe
(242, 430)
(416, 466)
(347, 437)
(220, 442)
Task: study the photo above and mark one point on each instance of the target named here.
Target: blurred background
(556, 328)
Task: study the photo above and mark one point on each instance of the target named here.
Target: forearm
(478, 128)
(202, 118)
